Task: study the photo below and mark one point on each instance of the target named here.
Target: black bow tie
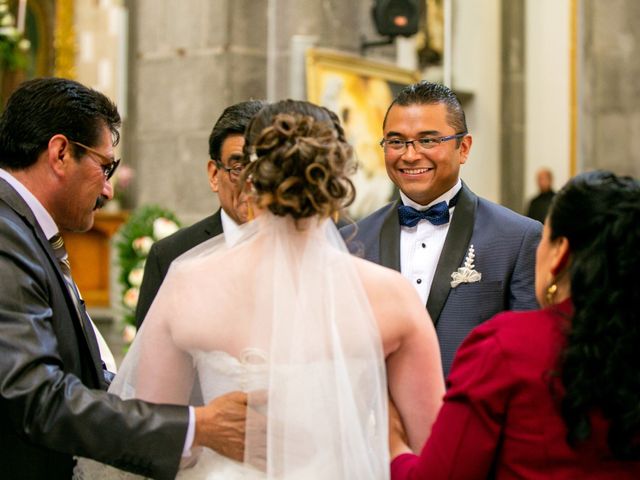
(437, 214)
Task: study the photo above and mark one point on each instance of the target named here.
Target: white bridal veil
(282, 312)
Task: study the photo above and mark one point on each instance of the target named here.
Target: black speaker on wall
(396, 17)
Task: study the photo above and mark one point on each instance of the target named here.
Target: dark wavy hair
(44, 107)
(599, 213)
(300, 160)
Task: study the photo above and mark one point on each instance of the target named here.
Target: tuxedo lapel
(390, 239)
(453, 252)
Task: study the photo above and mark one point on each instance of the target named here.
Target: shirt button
(424, 245)
(419, 281)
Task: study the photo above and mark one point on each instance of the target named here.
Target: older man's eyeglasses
(234, 171)
(109, 168)
(399, 146)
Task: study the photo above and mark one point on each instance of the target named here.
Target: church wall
(609, 108)
(548, 88)
(476, 70)
(188, 61)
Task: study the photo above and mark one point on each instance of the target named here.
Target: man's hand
(221, 425)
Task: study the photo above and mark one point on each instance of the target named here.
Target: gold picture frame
(359, 91)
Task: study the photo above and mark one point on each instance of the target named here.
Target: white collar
(230, 228)
(43, 217)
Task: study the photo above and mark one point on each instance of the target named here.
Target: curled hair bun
(302, 163)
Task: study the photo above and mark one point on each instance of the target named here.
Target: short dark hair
(234, 120)
(44, 107)
(429, 93)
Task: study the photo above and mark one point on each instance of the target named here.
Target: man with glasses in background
(224, 169)
(468, 258)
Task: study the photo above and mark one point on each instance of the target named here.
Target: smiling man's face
(423, 175)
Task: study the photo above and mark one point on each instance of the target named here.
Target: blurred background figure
(539, 205)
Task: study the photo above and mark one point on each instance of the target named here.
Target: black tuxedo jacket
(165, 251)
(52, 399)
(504, 244)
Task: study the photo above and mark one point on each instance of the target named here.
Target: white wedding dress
(282, 311)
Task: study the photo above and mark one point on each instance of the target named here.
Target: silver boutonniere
(466, 274)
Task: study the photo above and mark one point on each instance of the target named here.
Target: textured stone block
(165, 27)
(179, 94)
(174, 173)
(247, 26)
(247, 77)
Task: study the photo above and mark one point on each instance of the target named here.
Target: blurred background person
(539, 205)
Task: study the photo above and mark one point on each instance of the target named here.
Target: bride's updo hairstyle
(299, 160)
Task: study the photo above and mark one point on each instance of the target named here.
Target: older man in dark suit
(467, 257)
(224, 168)
(56, 159)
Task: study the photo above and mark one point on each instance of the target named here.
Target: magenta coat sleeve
(465, 435)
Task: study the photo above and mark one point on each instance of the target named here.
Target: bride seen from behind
(318, 338)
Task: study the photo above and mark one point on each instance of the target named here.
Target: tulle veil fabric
(286, 302)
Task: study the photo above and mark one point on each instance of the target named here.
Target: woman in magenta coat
(552, 393)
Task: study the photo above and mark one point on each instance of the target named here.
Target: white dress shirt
(421, 246)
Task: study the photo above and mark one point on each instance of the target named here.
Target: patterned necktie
(437, 214)
(61, 254)
(89, 329)
(57, 243)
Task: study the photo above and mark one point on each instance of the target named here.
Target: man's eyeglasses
(234, 170)
(399, 146)
(109, 168)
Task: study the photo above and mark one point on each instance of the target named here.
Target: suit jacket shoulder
(171, 247)
(52, 407)
(505, 217)
(376, 236)
(165, 251)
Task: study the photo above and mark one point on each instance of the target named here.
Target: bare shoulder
(395, 303)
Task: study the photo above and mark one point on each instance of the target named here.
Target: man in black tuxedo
(224, 168)
(467, 257)
(56, 158)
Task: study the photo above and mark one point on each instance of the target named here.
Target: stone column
(191, 59)
(512, 107)
(609, 91)
(188, 61)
